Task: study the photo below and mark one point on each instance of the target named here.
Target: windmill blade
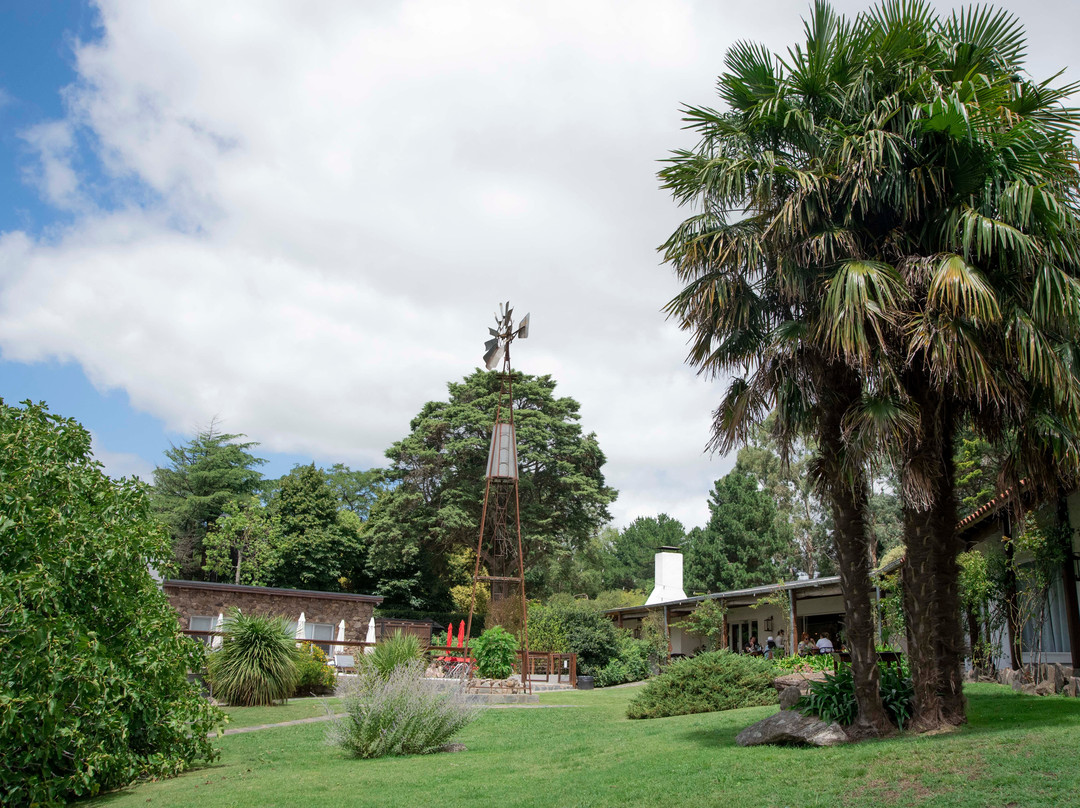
(523, 328)
(493, 332)
(490, 345)
(493, 357)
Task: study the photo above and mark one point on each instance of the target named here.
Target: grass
(1017, 751)
(293, 710)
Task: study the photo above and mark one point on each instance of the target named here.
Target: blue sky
(299, 218)
(36, 65)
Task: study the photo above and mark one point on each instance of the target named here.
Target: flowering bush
(400, 713)
(316, 676)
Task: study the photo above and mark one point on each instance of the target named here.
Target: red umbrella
(461, 639)
(449, 639)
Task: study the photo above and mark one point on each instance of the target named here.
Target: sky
(298, 219)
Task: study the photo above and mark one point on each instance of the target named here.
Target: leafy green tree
(93, 667)
(203, 476)
(245, 542)
(743, 545)
(356, 490)
(630, 562)
(320, 546)
(433, 505)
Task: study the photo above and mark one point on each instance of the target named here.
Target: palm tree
(886, 244)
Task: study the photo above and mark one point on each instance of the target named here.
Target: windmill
(499, 544)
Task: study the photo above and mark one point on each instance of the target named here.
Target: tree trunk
(931, 572)
(845, 488)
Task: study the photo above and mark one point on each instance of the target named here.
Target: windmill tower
(499, 545)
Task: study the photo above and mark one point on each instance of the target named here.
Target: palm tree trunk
(845, 489)
(931, 571)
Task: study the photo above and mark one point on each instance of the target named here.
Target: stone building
(199, 604)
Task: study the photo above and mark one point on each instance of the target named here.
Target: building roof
(810, 583)
(270, 590)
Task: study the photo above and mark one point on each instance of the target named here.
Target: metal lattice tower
(499, 545)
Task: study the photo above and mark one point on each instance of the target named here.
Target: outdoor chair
(344, 663)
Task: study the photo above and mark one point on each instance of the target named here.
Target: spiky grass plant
(257, 661)
(401, 713)
(393, 652)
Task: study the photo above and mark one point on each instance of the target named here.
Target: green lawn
(1016, 751)
(295, 709)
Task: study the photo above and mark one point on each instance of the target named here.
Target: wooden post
(794, 624)
(727, 645)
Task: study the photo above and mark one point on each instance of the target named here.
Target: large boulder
(799, 680)
(1045, 688)
(789, 727)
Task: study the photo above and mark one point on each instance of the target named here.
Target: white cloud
(342, 194)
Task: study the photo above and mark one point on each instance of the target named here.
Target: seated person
(824, 644)
(806, 645)
(770, 648)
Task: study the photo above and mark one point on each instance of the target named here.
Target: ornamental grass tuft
(257, 663)
(401, 713)
(393, 652)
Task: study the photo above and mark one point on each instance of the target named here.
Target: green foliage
(244, 543)
(436, 479)
(834, 698)
(706, 683)
(977, 464)
(495, 651)
(630, 556)
(396, 651)
(314, 676)
(203, 476)
(634, 660)
(257, 662)
(707, 619)
(590, 634)
(804, 664)
(743, 545)
(546, 630)
(398, 714)
(619, 598)
(320, 548)
(93, 667)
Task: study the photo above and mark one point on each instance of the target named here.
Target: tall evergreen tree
(203, 476)
(744, 544)
(630, 562)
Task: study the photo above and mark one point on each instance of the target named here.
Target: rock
(790, 727)
(789, 697)
(1045, 688)
(799, 680)
(1073, 687)
(1017, 684)
(1058, 676)
(453, 747)
(1026, 689)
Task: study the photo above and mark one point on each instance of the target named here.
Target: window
(320, 632)
(1055, 631)
(203, 623)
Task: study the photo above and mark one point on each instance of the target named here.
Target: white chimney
(668, 584)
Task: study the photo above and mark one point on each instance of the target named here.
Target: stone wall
(198, 600)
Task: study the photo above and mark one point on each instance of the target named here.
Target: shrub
(257, 661)
(718, 680)
(316, 677)
(93, 666)
(398, 714)
(393, 652)
(834, 698)
(546, 631)
(590, 634)
(633, 662)
(804, 664)
(495, 651)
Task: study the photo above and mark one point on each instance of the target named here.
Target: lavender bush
(399, 714)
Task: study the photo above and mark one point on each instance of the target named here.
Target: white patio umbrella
(216, 641)
(340, 649)
(300, 627)
(370, 648)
